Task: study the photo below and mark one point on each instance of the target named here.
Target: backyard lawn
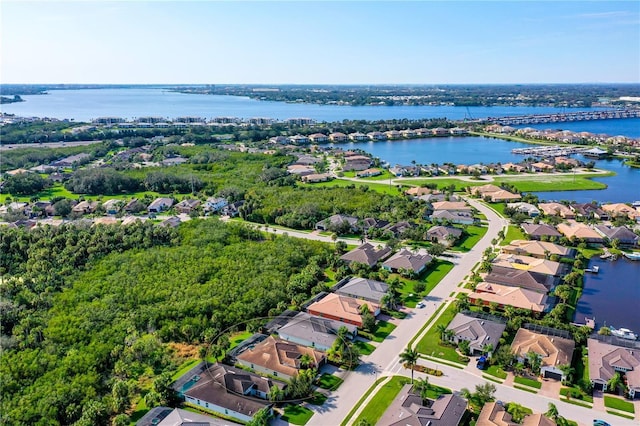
(381, 401)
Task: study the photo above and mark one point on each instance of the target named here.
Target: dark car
(600, 423)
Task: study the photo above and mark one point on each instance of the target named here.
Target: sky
(330, 42)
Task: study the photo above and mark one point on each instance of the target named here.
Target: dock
(610, 114)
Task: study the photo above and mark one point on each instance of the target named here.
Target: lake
(612, 294)
(84, 105)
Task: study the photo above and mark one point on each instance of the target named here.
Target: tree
(368, 322)
(484, 393)
(604, 331)
(421, 386)
(441, 328)
(463, 345)
(614, 382)
(121, 420)
(517, 411)
(275, 394)
(261, 418)
(409, 358)
(567, 371)
(535, 362)
(552, 412)
(563, 292)
(436, 249)
(120, 396)
(306, 361)
(390, 300)
(362, 422)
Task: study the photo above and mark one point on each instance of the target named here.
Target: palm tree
(306, 361)
(409, 358)
(487, 349)
(614, 382)
(552, 412)
(567, 371)
(517, 411)
(390, 300)
(422, 387)
(441, 329)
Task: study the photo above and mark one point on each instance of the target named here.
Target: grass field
(467, 243)
(383, 329)
(618, 404)
(380, 187)
(297, 414)
(381, 401)
(434, 273)
(496, 371)
(430, 343)
(527, 382)
(514, 232)
(329, 382)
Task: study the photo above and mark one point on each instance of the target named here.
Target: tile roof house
(509, 296)
(362, 288)
(85, 207)
(534, 281)
(337, 137)
(606, 359)
(159, 205)
(485, 190)
(187, 206)
(620, 233)
(315, 332)
(538, 230)
(417, 191)
(279, 358)
(526, 208)
(367, 253)
(465, 218)
(477, 331)
(133, 206)
(342, 308)
(356, 162)
(226, 390)
(452, 206)
(406, 260)
(316, 177)
(503, 195)
(408, 409)
(494, 414)
(112, 206)
(589, 210)
(539, 249)
(337, 220)
(445, 235)
(553, 350)
(557, 209)
(621, 209)
(165, 416)
(531, 264)
(573, 229)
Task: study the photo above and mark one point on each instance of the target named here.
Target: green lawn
(381, 401)
(435, 391)
(583, 396)
(514, 232)
(528, 382)
(618, 404)
(364, 347)
(383, 329)
(430, 343)
(184, 368)
(365, 396)
(434, 273)
(475, 233)
(380, 187)
(496, 371)
(297, 414)
(329, 382)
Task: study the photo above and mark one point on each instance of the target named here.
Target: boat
(623, 333)
(631, 256)
(593, 270)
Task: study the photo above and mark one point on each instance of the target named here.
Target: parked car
(600, 423)
(482, 363)
(420, 305)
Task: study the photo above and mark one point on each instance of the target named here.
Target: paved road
(385, 358)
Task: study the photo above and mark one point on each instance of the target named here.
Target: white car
(420, 305)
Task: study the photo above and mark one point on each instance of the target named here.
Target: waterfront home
(342, 308)
(445, 235)
(405, 260)
(503, 295)
(362, 288)
(595, 153)
(315, 332)
(377, 136)
(337, 220)
(511, 167)
(503, 196)
(540, 167)
(337, 137)
(479, 332)
(539, 249)
(458, 131)
(356, 162)
(557, 209)
(509, 276)
(409, 133)
(621, 210)
(463, 218)
(440, 131)
(280, 140)
(160, 204)
(573, 229)
(539, 230)
(316, 177)
(526, 208)
(367, 254)
(530, 264)
(318, 138)
(409, 408)
(607, 359)
(279, 358)
(358, 137)
(226, 390)
(298, 140)
(494, 414)
(187, 206)
(589, 211)
(554, 351)
(624, 235)
(369, 173)
(393, 134)
(300, 169)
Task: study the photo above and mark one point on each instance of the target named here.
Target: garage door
(552, 375)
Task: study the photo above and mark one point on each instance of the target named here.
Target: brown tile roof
(536, 248)
(367, 253)
(521, 278)
(512, 296)
(603, 357)
(528, 263)
(554, 350)
(339, 306)
(494, 414)
(538, 230)
(578, 230)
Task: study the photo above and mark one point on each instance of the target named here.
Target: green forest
(91, 316)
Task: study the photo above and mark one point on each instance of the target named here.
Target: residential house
(307, 160)
(434, 198)
(316, 177)
(377, 136)
(133, 206)
(526, 208)
(370, 223)
(187, 206)
(440, 131)
(485, 190)
(589, 211)
(539, 249)
(369, 173)
(452, 206)
(356, 162)
(281, 140)
(536, 231)
(530, 264)
(342, 308)
(607, 359)
(418, 191)
(397, 229)
(165, 416)
(408, 133)
(478, 332)
(315, 332)
(503, 296)
(279, 358)
(595, 153)
(232, 209)
(367, 253)
(410, 409)
(624, 235)
(112, 206)
(160, 204)
(621, 210)
(535, 281)
(299, 139)
(226, 390)
(337, 220)
(458, 131)
(362, 288)
(405, 260)
(504, 196)
(337, 137)
(300, 170)
(557, 209)
(358, 137)
(573, 229)
(85, 207)
(445, 235)
(463, 218)
(318, 138)
(215, 204)
(494, 414)
(540, 167)
(554, 351)
(511, 167)
(129, 220)
(174, 161)
(393, 134)
(13, 207)
(171, 222)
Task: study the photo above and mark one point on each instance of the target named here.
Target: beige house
(573, 229)
(557, 209)
(529, 263)
(342, 308)
(509, 296)
(621, 209)
(539, 249)
(606, 359)
(554, 351)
